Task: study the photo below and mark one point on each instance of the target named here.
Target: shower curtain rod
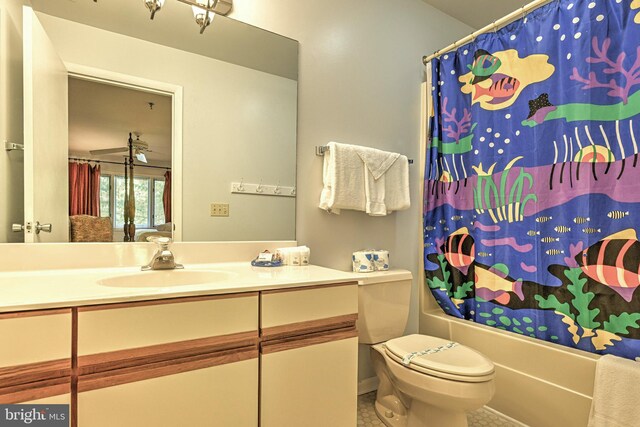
(491, 27)
(117, 163)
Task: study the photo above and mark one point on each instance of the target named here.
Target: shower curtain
(532, 179)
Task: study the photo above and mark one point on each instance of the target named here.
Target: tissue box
(370, 260)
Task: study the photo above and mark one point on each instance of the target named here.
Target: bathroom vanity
(268, 347)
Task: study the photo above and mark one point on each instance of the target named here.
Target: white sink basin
(165, 278)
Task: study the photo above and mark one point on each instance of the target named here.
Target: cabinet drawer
(300, 305)
(115, 327)
(34, 337)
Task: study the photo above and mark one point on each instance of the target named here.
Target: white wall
(359, 83)
(11, 127)
(238, 124)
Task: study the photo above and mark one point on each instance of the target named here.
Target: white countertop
(43, 289)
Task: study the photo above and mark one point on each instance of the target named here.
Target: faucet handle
(162, 242)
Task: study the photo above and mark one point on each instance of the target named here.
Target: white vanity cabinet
(35, 356)
(189, 361)
(273, 358)
(309, 356)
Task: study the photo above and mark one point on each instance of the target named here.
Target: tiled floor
(481, 418)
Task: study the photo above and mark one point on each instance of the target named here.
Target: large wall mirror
(119, 128)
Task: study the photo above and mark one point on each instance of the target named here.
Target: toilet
(423, 380)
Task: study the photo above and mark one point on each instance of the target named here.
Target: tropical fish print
(554, 251)
(460, 249)
(456, 218)
(543, 219)
(534, 140)
(502, 88)
(591, 230)
(493, 284)
(550, 239)
(562, 229)
(484, 65)
(581, 220)
(615, 262)
(429, 228)
(497, 79)
(618, 214)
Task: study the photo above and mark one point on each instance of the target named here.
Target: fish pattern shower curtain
(532, 179)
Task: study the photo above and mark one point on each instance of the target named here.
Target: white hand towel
(377, 163)
(343, 178)
(614, 400)
(397, 196)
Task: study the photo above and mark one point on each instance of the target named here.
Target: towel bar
(321, 149)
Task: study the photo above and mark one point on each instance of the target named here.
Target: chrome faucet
(163, 258)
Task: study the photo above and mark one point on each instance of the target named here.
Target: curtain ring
(495, 27)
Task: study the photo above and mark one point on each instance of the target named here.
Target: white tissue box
(370, 260)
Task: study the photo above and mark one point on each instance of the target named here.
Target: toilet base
(390, 411)
(392, 414)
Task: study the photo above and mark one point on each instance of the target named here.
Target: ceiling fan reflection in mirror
(137, 147)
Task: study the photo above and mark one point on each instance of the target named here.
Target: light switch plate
(219, 209)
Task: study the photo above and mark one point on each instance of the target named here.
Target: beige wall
(359, 83)
(11, 127)
(238, 124)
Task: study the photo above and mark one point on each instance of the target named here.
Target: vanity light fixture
(154, 6)
(204, 16)
(203, 10)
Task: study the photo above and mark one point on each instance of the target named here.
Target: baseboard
(367, 385)
(506, 417)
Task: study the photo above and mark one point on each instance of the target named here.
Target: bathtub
(538, 383)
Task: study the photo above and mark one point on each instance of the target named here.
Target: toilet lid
(422, 352)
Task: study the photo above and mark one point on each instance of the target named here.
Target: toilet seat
(440, 358)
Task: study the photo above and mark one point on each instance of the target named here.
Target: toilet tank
(383, 306)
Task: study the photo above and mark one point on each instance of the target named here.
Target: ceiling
(101, 116)
(477, 13)
(174, 26)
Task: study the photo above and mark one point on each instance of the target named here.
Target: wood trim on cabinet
(309, 327)
(34, 313)
(306, 288)
(33, 391)
(119, 359)
(161, 301)
(34, 372)
(164, 368)
(307, 340)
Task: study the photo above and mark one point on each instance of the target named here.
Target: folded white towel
(377, 164)
(614, 400)
(343, 179)
(364, 179)
(377, 161)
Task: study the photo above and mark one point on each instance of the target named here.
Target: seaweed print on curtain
(532, 183)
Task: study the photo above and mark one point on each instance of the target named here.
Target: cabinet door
(314, 385)
(309, 356)
(206, 392)
(36, 347)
